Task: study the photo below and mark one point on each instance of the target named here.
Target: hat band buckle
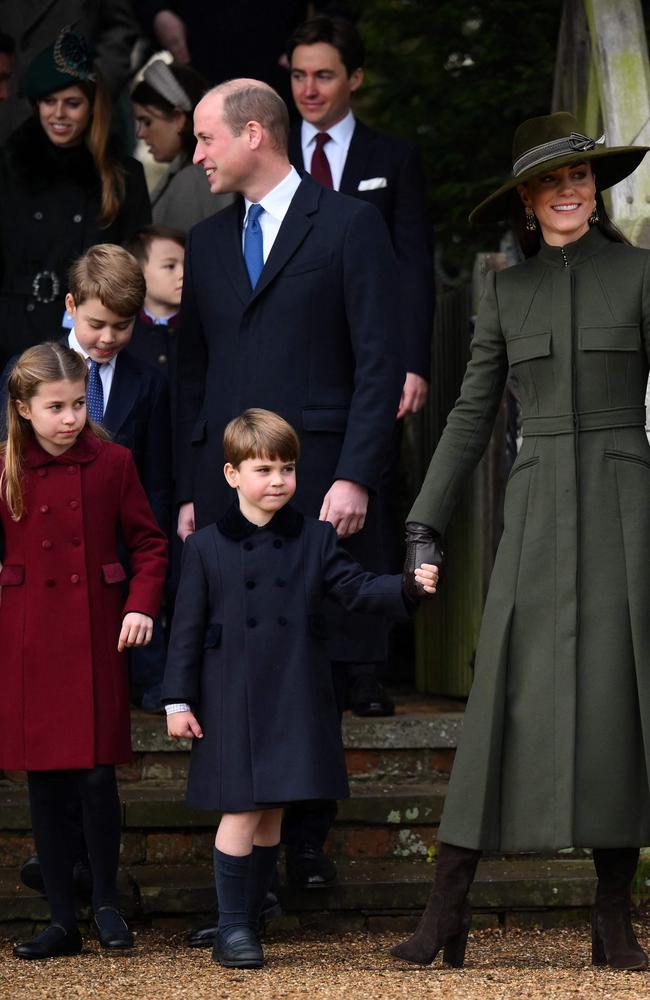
(538, 155)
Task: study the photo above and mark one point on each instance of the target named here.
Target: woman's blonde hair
(49, 362)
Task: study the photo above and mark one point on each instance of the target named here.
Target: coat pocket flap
(317, 625)
(212, 636)
(199, 431)
(12, 576)
(531, 345)
(626, 337)
(301, 266)
(113, 573)
(325, 418)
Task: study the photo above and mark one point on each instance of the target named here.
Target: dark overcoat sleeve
(372, 309)
(355, 588)
(185, 653)
(156, 466)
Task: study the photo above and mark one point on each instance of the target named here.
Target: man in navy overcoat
(302, 320)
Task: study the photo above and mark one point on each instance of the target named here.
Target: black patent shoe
(112, 929)
(309, 868)
(368, 698)
(53, 942)
(238, 949)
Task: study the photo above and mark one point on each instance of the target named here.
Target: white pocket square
(371, 183)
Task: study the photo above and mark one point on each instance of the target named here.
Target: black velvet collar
(287, 522)
(38, 163)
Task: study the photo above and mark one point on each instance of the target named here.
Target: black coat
(49, 215)
(395, 167)
(317, 341)
(247, 652)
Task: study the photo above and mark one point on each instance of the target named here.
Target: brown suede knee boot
(613, 941)
(446, 920)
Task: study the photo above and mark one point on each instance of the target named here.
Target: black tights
(52, 795)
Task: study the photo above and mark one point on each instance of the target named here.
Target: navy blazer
(138, 417)
(403, 203)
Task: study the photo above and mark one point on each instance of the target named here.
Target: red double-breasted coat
(64, 701)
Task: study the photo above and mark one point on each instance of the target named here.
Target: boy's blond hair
(112, 275)
(260, 433)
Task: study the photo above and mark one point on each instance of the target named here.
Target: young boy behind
(248, 677)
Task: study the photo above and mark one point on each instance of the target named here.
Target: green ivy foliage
(458, 78)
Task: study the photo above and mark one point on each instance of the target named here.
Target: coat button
(46, 544)
(42, 473)
(74, 504)
(162, 359)
(38, 216)
(30, 307)
(248, 546)
(77, 218)
(76, 542)
(50, 583)
(280, 582)
(250, 585)
(75, 578)
(251, 622)
(277, 544)
(72, 469)
(44, 508)
(282, 620)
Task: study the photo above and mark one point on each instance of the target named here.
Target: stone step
(525, 887)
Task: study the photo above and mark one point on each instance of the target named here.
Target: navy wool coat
(248, 653)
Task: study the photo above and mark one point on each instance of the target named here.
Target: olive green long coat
(555, 748)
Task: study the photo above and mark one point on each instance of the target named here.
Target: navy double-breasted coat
(247, 652)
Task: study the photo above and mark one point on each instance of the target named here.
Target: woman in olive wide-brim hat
(555, 750)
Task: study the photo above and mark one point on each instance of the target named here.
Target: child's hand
(137, 630)
(183, 725)
(427, 576)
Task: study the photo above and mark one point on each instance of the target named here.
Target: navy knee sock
(232, 876)
(263, 861)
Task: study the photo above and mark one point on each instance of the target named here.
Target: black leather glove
(423, 545)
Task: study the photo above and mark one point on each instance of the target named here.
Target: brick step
(520, 891)
(377, 821)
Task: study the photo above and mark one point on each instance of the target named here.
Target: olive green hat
(552, 141)
(65, 63)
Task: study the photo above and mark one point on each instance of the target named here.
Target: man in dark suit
(327, 57)
(288, 304)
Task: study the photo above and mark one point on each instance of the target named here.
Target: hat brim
(614, 165)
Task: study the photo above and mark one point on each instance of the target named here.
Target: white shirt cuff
(180, 706)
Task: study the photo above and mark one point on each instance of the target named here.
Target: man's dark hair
(7, 44)
(335, 31)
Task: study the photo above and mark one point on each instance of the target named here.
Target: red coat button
(50, 583)
(75, 578)
(74, 504)
(46, 544)
(44, 509)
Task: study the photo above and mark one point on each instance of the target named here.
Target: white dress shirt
(336, 150)
(276, 205)
(106, 369)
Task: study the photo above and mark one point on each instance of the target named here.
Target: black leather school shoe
(112, 929)
(238, 948)
(53, 942)
(204, 936)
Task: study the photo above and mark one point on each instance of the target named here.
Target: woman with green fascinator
(63, 188)
(555, 750)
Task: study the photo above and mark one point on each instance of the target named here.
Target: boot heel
(598, 956)
(454, 953)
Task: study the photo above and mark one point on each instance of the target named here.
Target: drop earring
(531, 221)
(594, 217)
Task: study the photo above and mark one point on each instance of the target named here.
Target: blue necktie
(254, 244)
(95, 393)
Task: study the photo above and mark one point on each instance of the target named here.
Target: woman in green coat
(556, 739)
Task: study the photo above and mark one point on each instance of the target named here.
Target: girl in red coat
(67, 496)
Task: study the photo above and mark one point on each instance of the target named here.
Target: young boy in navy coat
(248, 676)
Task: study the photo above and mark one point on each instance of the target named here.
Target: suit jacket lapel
(359, 154)
(295, 226)
(228, 244)
(125, 390)
(295, 148)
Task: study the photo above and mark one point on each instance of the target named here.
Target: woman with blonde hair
(63, 188)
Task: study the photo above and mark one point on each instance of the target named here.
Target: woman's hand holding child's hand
(137, 630)
(427, 576)
(183, 725)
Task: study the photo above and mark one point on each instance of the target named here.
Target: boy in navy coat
(248, 676)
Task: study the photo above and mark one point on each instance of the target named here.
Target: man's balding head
(247, 100)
